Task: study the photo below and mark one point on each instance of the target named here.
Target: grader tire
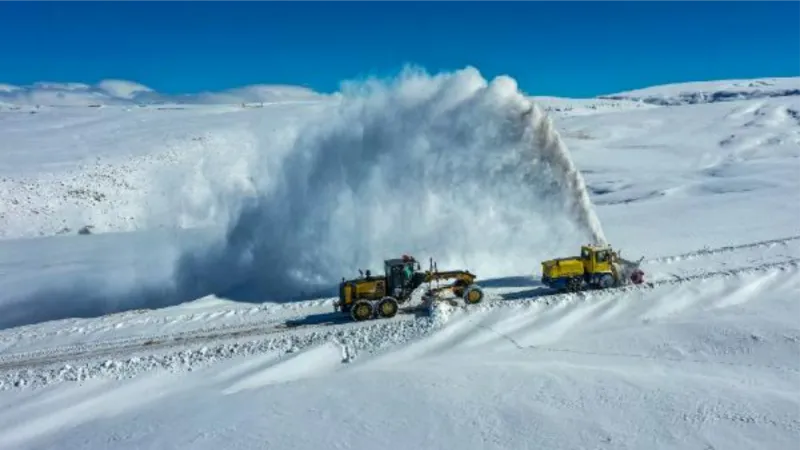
(387, 308)
(473, 294)
(361, 310)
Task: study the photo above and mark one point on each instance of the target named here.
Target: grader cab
(369, 296)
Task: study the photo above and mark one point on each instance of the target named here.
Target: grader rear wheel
(387, 307)
(361, 310)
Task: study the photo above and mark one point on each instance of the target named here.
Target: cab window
(585, 254)
(602, 256)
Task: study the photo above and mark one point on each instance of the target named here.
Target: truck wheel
(361, 310)
(387, 307)
(574, 285)
(606, 281)
(473, 294)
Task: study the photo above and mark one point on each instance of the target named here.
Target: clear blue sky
(558, 48)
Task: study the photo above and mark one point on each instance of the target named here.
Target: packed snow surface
(166, 267)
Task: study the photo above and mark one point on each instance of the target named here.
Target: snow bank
(449, 166)
(348, 343)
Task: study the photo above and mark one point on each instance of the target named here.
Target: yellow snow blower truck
(369, 297)
(598, 267)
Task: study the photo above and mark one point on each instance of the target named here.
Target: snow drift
(448, 166)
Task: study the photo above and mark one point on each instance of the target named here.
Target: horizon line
(95, 85)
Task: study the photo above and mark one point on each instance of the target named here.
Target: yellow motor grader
(369, 297)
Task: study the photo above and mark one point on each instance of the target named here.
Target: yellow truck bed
(562, 267)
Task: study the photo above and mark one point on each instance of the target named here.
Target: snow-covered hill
(122, 92)
(712, 91)
(188, 315)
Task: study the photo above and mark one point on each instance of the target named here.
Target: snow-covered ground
(132, 336)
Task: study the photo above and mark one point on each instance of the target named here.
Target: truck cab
(596, 259)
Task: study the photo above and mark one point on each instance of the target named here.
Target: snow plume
(554, 152)
(448, 166)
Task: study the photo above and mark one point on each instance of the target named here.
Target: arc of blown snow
(554, 151)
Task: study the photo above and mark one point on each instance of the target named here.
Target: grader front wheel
(473, 294)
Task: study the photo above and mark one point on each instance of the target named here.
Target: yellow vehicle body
(562, 267)
(597, 260)
(594, 267)
(364, 297)
(367, 289)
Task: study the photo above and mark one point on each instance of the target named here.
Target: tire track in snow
(661, 358)
(372, 335)
(152, 342)
(725, 249)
